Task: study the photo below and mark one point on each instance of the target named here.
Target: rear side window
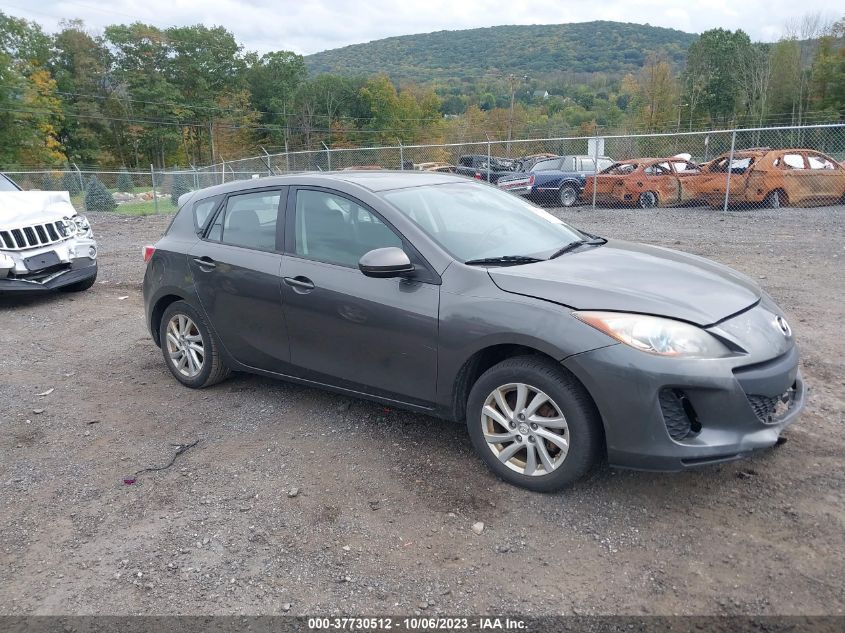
(249, 220)
(202, 211)
(819, 162)
(547, 165)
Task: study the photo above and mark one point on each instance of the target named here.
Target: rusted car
(647, 182)
(435, 166)
(773, 178)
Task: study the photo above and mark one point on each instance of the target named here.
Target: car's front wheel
(189, 350)
(534, 424)
(648, 200)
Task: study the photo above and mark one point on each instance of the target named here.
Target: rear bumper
(80, 269)
(724, 398)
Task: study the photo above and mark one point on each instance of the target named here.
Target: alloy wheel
(648, 200)
(184, 345)
(525, 429)
(568, 196)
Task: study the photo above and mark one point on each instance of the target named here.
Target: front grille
(771, 410)
(678, 414)
(33, 236)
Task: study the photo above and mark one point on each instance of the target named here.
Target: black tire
(648, 200)
(80, 286)
(775, 199)
(213, 369)
(585, 433)
(568, 196)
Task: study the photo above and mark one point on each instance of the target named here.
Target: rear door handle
(300, 283)
(205, 262)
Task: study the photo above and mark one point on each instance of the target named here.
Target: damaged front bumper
(48, 268)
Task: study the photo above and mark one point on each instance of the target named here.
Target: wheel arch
(161, 304)
(485, 358)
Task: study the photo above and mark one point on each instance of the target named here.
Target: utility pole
(512, 81)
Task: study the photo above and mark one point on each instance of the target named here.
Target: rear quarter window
(202, 210)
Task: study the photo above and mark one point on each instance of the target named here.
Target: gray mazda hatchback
(450, 297)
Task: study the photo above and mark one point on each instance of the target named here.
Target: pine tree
(124, 181)
(180, 187)
(97, 197)
(70, 183)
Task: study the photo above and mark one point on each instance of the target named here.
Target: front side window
(6, 184)
(473, 221)
(790, 161)
(249, 220)
(657, 170)
(620, 169)
(334, 229)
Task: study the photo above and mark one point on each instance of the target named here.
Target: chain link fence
(725, 169)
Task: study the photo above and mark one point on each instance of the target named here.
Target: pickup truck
(559, 180)
(475, 166)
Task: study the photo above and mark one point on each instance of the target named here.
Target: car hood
(22, 208)
(623, 276)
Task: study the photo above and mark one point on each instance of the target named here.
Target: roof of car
(381, 180)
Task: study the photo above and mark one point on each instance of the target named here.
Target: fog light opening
(695, 424)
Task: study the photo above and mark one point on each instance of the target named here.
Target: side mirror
(385, 262)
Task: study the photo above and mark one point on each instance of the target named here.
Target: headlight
(655, 335)
(78, 226)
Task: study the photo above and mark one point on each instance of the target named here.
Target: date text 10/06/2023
(485, 623)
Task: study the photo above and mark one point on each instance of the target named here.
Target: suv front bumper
(75, 262)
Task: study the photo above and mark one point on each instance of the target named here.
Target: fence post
(224, 172)
(489, 158)
(328, 156)
(81, 186)
(287, 154)
(595, 170)
(730, 170)
(401, 155)
(155, 194)
(269, 161)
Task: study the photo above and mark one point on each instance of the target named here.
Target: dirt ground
(299, 501)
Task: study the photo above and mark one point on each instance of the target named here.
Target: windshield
(475, 221)
(6, 184)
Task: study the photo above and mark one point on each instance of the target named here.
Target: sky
(309, 26)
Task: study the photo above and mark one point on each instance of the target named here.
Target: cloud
(315, 25)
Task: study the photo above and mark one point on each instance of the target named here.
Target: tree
(180, 187)
(70, 183)
(654, 96)
(97, 197)
(713, 78)
(124, 181)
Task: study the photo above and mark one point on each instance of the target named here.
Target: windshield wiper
(502, 260)
(594, 241)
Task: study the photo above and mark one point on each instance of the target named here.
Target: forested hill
(588, 47)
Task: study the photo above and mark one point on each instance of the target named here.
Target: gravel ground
(299, 501)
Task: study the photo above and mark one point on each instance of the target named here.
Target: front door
(374, 335)
(237, 274)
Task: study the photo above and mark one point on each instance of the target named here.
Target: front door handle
(205, 262)
(300, 283)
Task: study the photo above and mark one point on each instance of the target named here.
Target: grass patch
(144, 207)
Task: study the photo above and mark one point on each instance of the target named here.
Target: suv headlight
(656, 335)
(78, 226)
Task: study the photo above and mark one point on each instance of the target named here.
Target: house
(540, 94)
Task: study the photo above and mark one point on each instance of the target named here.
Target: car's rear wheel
(568, 196)
(189, 349)
(648, 199)
(534, 424)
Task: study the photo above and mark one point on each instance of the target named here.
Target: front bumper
(74, 261)
(734, 403)
(76, 271)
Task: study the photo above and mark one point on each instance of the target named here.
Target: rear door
(236, 267)
(827, 177)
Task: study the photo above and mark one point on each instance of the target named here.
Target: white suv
(44, 243)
